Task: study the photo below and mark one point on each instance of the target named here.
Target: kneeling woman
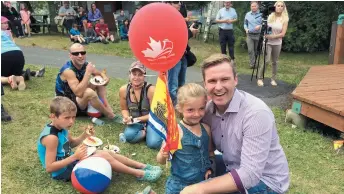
(135, 99)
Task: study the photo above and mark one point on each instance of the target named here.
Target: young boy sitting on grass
(75, 35)
(55, 147)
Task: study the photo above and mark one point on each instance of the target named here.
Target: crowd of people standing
(277, 23)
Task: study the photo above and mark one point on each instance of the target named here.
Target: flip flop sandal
(12, 82)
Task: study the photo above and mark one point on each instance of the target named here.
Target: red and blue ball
(91, 175)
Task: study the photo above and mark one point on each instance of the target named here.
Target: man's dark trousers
(227, 37)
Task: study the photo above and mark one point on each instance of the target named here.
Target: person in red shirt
(103, 33)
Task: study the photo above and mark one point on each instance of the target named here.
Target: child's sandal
(150, 175)
(151, 167)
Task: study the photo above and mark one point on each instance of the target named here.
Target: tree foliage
(309, 27)
(37, 7)
(193, 5)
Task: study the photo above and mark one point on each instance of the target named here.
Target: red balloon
(158, 36)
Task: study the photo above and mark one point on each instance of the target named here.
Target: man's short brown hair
(216, 59)
(61, 104)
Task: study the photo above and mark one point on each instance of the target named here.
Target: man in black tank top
(73, 82)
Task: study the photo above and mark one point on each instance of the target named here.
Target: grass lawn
(314, 166)
(21, 170)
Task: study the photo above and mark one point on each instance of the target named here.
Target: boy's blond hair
(61, 104)
(190, 90)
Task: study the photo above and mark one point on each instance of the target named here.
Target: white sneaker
(273, 83)
(260, 83)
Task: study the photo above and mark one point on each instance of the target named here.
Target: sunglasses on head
(77, 53)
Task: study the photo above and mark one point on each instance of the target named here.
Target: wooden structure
(339, 50)
(108, 8)
(320, 95)
(336, 55)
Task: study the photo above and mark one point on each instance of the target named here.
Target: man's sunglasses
(77, 53)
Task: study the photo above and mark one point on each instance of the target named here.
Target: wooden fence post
(339, 49)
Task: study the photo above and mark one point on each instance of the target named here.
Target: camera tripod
(261, 45)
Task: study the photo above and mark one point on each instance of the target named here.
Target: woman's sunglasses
(77, 53)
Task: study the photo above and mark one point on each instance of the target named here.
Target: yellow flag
(162, 117)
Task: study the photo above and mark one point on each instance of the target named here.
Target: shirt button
(226, 164)
(221, 135)
(223, 119)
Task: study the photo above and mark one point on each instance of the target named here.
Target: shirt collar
(54, 128)
(234, 104)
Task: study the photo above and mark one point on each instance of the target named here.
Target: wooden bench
(42, 21)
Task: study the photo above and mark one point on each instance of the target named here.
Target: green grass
(314, 165)
(63, 43)
(21, 169)
(291, 68)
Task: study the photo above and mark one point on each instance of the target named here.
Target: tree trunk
(52, 14)
(208, 22)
